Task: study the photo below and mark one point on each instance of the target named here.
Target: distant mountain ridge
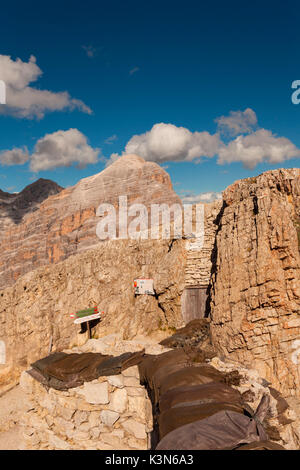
(17, 204)
(45, 223)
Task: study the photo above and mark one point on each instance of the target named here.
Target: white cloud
(201, 198)
(16, 156)
(62, 149)
(238, 122)
(166, 142)
(24, 101)
(260, 146)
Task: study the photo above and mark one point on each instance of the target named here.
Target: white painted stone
(109, 417)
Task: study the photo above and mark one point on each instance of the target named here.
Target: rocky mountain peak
(15, 206)
(37, 229)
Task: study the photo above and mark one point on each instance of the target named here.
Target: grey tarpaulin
(213, 392)
(189, 412)
(226, 429)
(261, 445)
(63, 371)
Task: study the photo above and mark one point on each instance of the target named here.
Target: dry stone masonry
(108, 413)
(115, 412)
(199, 262)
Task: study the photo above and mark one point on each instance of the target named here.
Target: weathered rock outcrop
(34, 312)
(255, 287)
(251, 250)
(37, 230)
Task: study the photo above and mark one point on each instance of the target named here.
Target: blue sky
(138, 64)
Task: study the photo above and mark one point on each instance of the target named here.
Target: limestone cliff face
(54, 264)
(37, 230)
(34, 312)
(255, 286)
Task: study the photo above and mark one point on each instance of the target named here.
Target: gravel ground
(12, 406)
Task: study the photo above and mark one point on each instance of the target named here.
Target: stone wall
(109, 413)
(199, 262)
(115, 413)
(255, 288)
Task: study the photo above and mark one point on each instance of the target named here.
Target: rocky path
(13, 405)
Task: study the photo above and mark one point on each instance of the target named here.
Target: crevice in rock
(171, 244)
(255, 212)
(255, 205)
(159, 304)
(213, 271)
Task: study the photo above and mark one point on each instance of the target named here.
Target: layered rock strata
(255, 285)
(35, 311)
(38, 230)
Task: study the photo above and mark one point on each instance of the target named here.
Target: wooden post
(89, 329)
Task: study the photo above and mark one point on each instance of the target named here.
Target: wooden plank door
(193, 303)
